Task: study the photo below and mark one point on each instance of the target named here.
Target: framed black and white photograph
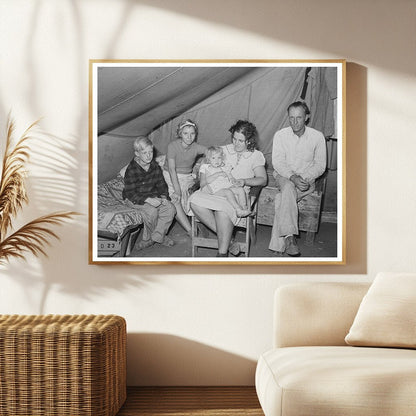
(217, 162)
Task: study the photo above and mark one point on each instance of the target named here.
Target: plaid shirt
(140, 184)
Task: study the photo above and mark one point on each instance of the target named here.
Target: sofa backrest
(308, 314)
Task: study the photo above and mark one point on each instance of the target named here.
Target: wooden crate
(309, 212)
(62, 365)
(309, 209)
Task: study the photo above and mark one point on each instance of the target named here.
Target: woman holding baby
(247, 168)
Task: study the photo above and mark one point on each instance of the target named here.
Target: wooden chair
(248, 224)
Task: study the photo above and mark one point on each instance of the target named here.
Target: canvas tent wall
(151, 101)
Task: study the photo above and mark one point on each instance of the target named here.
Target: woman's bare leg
(225, 230)
(182, 218)
(240, 196)
(230, 196)
(241, 209)
(206, 216)
(216, 220)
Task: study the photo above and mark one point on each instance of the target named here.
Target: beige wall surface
(200, 324)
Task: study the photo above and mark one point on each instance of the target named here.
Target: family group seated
(162, 193)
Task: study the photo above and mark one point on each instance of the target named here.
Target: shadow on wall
(75, 145)
(59, 179)
(356, 169)
(334, 27)
(161, 359)
(83, 288)
(69, 191)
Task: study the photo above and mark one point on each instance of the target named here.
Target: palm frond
(12, 183)
(33, 237)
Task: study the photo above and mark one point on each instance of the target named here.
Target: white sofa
(311, 370)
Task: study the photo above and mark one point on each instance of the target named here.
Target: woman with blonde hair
(180, 160)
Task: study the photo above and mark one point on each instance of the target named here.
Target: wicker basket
(71, 365)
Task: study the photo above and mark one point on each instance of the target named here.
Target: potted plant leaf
(34, 236)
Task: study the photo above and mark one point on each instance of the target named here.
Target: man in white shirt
(298, 157)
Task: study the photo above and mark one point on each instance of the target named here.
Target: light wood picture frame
(130, 99)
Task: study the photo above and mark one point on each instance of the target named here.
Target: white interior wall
(203, 324)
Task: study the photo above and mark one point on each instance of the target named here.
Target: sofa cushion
(304, 381)
(387, 314)
(318, 313)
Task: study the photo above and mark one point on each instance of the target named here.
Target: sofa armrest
(308, 314)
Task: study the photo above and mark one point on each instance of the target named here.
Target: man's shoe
(292, 249)
(278, 253)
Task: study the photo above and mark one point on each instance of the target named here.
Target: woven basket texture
(54, 365)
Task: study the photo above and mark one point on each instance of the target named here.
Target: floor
(325, 244)
(191, 401)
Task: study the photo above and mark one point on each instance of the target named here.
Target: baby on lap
(216, 179)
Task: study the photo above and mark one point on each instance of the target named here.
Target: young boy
(146, 189)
